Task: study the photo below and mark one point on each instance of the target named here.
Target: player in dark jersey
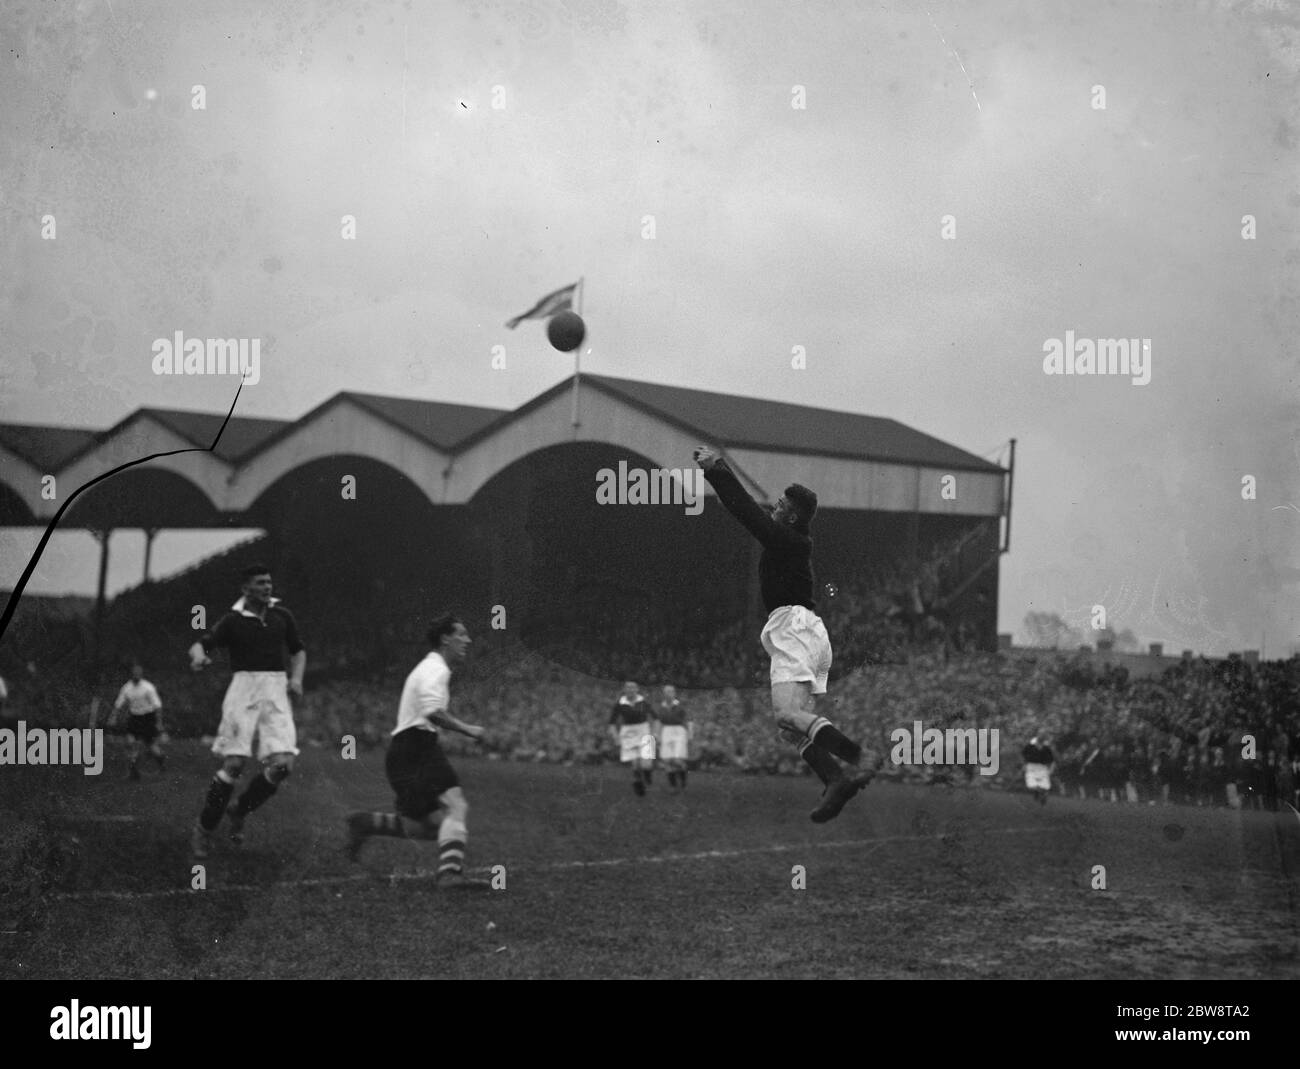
(794, 637)
(674, 736)
(629, 723)
(257, 631)
(1038, 759)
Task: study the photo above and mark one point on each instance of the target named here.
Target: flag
(559, 301)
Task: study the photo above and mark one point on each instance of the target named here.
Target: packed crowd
(1203, 734)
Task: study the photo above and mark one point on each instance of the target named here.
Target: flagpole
(577, 358)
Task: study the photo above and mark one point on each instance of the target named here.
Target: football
(566, 331)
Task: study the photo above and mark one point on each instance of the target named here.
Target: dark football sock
(828, 737)
(820, 762)
(258, 792)
(219, 791)
(681, 779)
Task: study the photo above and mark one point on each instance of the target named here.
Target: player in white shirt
(144, 718)
(430, 802)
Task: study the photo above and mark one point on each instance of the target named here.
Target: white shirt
(427, 690)
(141, 698)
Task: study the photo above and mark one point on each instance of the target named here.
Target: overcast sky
(774, 226)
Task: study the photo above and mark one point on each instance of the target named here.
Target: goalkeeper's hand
(705, 457)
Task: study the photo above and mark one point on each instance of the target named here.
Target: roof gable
(755, 423)
(46, 448)
(440, 424)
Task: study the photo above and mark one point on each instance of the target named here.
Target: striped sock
(214, 805)
(819, 761)
(827, 736)
(451, 857)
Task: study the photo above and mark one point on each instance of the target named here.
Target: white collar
(623, 699)
(239, 606)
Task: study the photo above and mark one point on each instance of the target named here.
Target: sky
(731, 181)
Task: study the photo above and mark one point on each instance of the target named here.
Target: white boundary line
(559, 866)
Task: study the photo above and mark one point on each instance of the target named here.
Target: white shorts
(256, 704)
(672, 743)
(635, 741)
(1038, 778)
(796, 640)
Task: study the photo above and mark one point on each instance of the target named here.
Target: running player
(1038, 759)
(430, 802)
(257, 631)
(144, 721)
(675, 731)
(794, 636)
(629, 723)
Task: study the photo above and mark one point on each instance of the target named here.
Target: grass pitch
(728, 880)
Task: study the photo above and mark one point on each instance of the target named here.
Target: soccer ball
(566, 331)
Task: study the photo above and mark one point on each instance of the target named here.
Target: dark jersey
(255, 645)
(673, 715)
(785, 573)
(630, 712)
(1037, 755)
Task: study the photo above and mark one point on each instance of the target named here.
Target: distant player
(258, 631)
(629, 723)
(144, 718)
(429, 801)
(1038, 759)
(794, 637)
(675, 731)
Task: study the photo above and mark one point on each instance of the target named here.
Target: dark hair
(254, 570)
(804, 502)
(441, 627)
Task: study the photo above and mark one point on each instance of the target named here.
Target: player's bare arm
(443, 719)
(297, 667)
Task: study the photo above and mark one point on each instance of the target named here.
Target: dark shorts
(144, 728)
(419, 772)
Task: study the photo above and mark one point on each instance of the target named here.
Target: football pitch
(729, 880)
